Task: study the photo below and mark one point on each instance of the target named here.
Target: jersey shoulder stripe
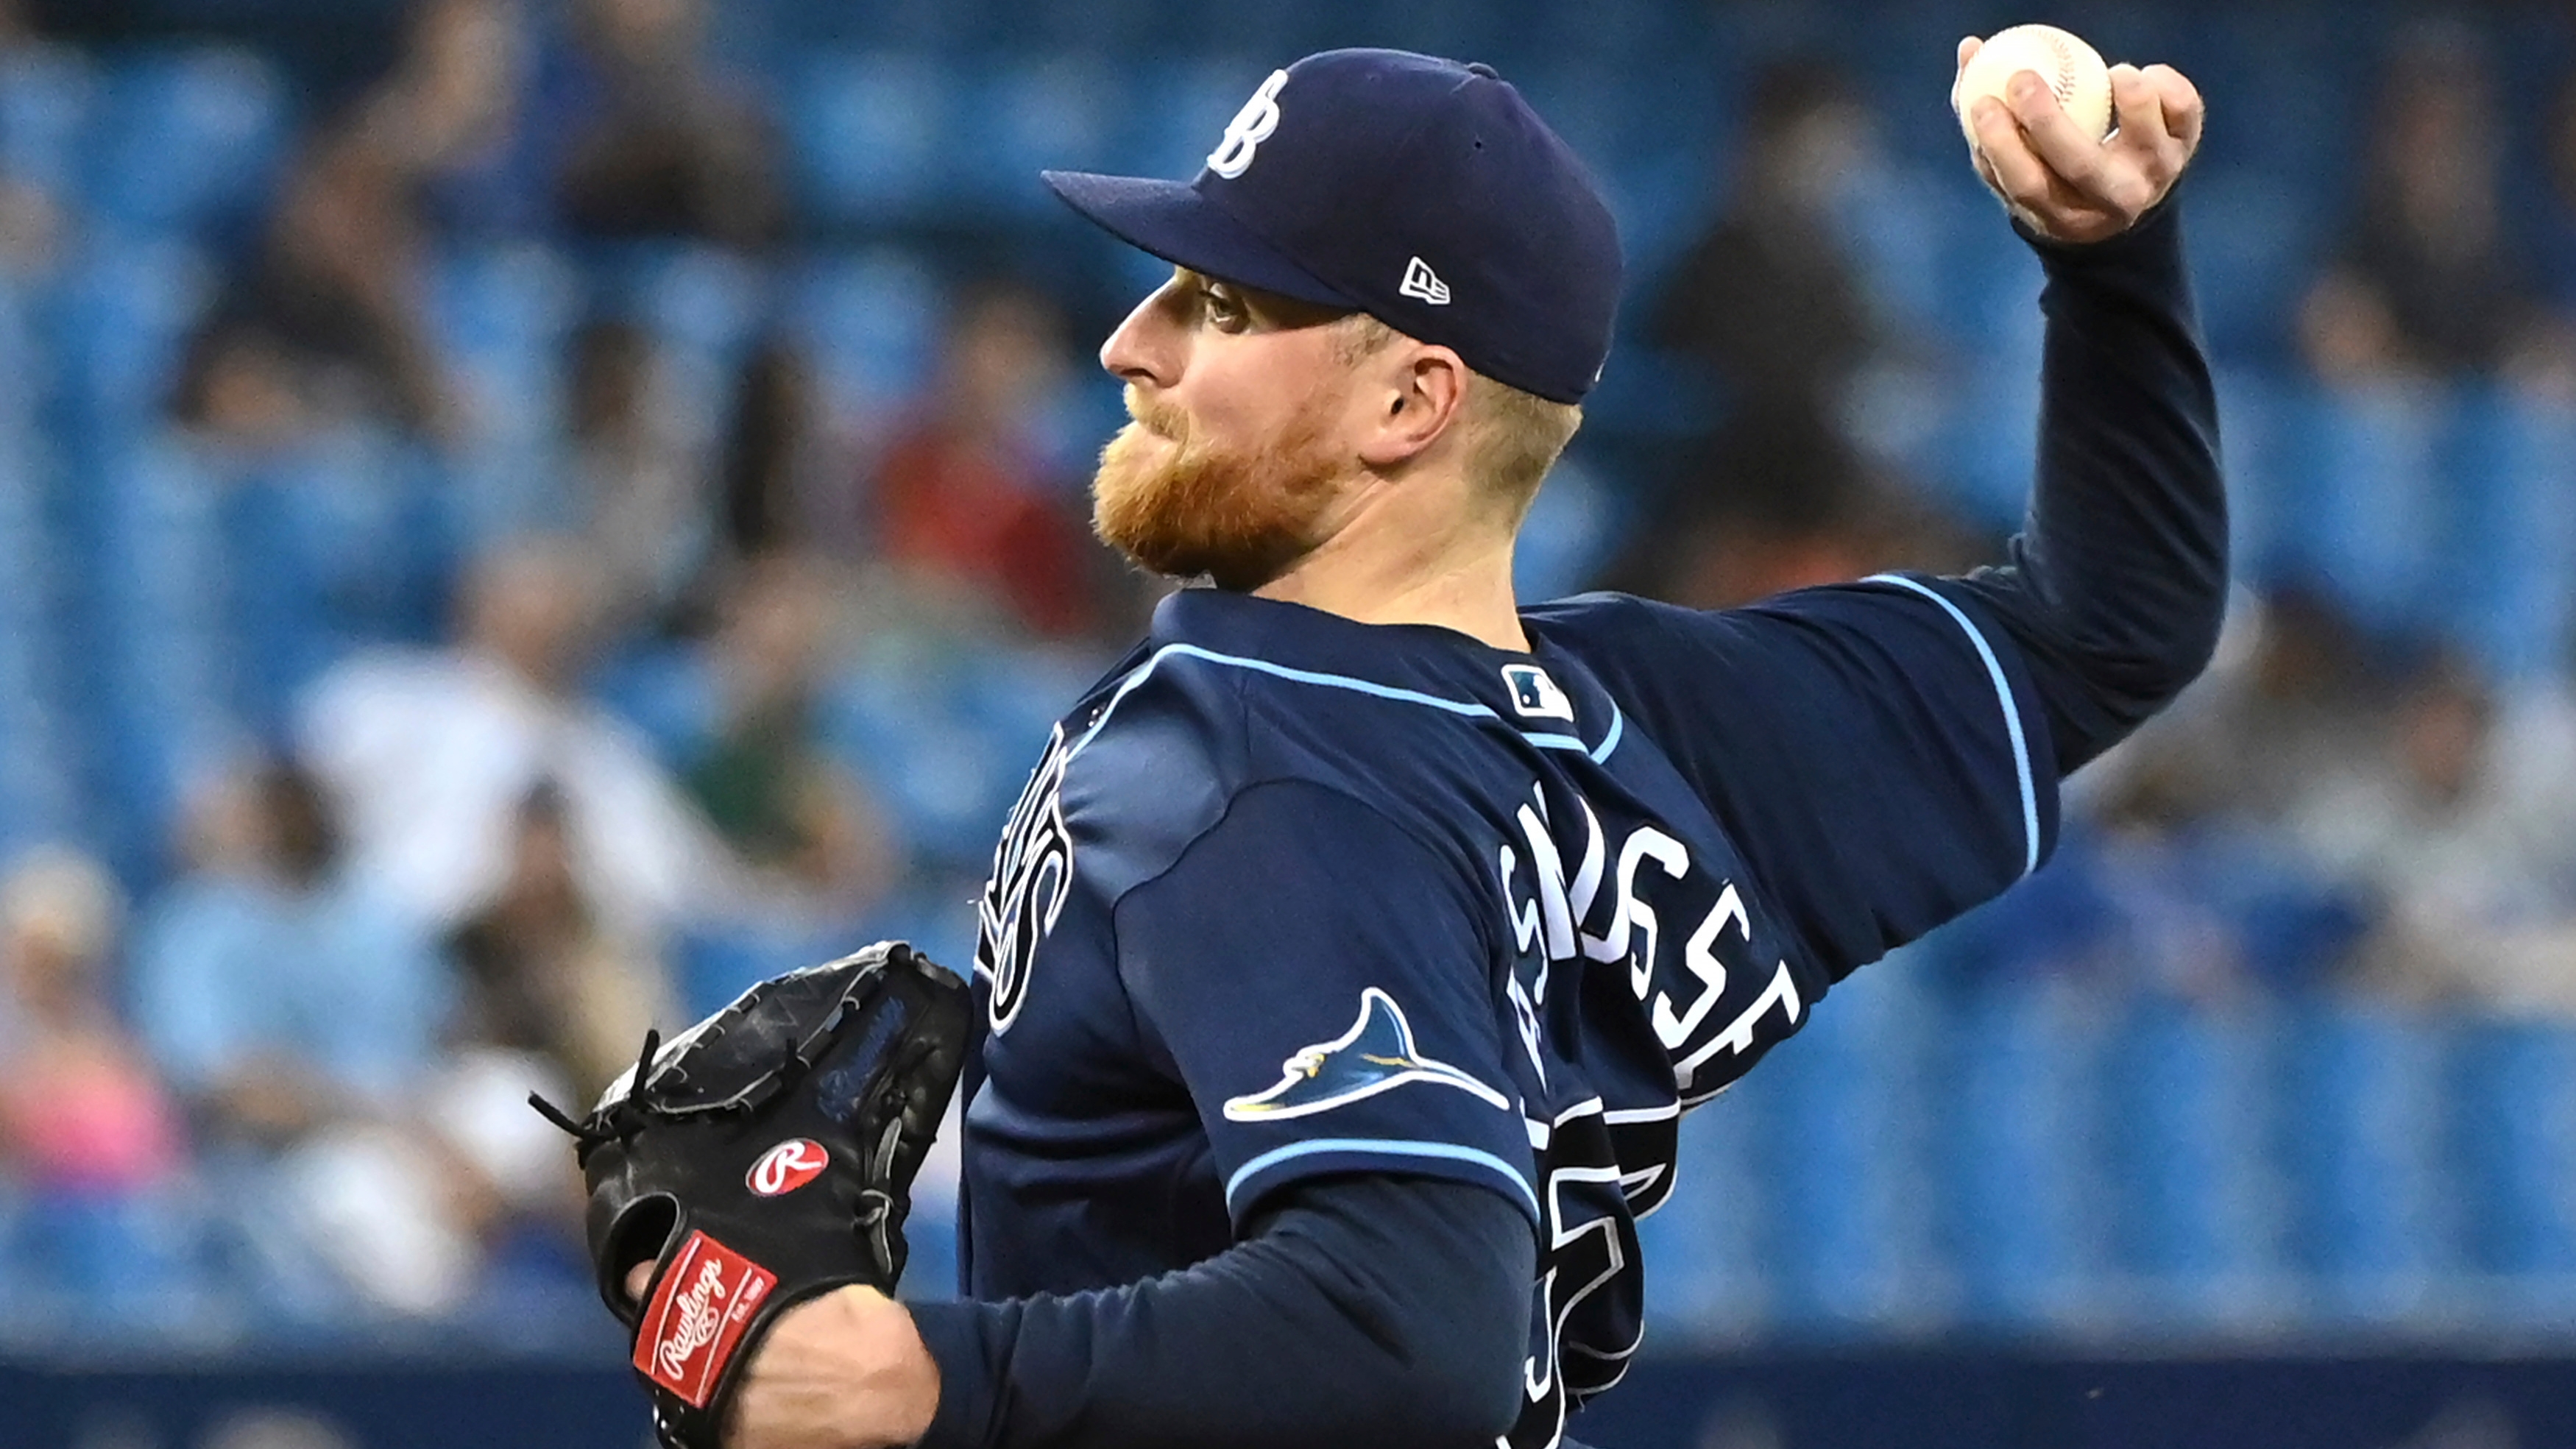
(2004, 695)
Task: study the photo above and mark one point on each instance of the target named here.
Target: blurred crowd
(611, 732)
(2346, 802)
(280, 1077)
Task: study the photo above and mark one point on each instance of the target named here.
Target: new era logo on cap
(1420, 281)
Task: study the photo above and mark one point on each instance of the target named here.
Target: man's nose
(1148, 347)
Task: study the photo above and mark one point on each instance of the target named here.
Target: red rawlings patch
(696, 1319)
(786, 1167)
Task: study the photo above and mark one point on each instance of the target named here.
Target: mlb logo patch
(1535, 695)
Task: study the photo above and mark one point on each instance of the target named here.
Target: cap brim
(1175, 221)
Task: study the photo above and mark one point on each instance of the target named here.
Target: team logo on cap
(1250, 127)
(1420, 281)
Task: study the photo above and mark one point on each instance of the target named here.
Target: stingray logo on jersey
(1376, 1055)
(1032, 876)
(786, 1167)
(1535, 695)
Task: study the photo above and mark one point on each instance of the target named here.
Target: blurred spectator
(645, 511)
(2461, 823)
(2558, 147)
(964, 503)
(1726, 536)
(82, 1114)
(2430, 281)
(555, 999)
(89, 1138)
(543, 971)
(238, 393)
(433, 752)
(299, 1012)
(451, 110)
(280, 992)
(333, 290)
(786, 806)
(331, 298)
(659, 144)
(777, 461)
(1768, 300)
(31, 225)
(1779, 323)
(2291, 699)
(457, 109)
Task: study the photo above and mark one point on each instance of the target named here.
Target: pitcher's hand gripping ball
(2072, 70)
(763, 1157)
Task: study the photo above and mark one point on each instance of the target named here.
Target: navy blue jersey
(1292, 895)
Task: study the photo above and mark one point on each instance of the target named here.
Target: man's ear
(1417, 398)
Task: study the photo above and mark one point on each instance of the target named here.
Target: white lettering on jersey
(1605, 1166)
(1032, 877)
(1672, 1029)
(1550, 915)
(1250, 127)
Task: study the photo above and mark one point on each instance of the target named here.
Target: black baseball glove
(762, 1157)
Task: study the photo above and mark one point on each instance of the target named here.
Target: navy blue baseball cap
(1423, 192)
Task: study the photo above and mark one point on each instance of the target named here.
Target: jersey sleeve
(1316, 978)
(1877, 750)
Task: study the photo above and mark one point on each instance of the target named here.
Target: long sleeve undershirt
(1363, 1312)
(2118, 581)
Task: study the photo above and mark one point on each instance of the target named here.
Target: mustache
(1156, 416)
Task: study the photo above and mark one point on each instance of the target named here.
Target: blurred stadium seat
(2253, 247)
(2199, 1224)
(869, 319)
(186, 140)
(2509, 549)
(2367, 498)
(120, 323)
(2513, 1130)
(45, 100)
(2361, 1131)
(1853, 1232)
(872, 133)
(1025, 115)
(2014, 1161)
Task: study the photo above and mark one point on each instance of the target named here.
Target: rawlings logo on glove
(707, 1297)
(787, 1167)
(763, 1157)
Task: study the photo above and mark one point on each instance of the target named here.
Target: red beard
(1184, 508)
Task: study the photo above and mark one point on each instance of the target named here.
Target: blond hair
(1513, 437)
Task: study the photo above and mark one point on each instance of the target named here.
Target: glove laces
(614, 1121)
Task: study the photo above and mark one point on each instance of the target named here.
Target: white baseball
(2071, 68)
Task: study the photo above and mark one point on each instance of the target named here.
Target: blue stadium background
(1950, 1155)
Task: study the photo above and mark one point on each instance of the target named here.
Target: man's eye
(1223, 307)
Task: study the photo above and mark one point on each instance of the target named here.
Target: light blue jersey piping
(1381, 1147)
(1465, 709)
(2012, 714)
